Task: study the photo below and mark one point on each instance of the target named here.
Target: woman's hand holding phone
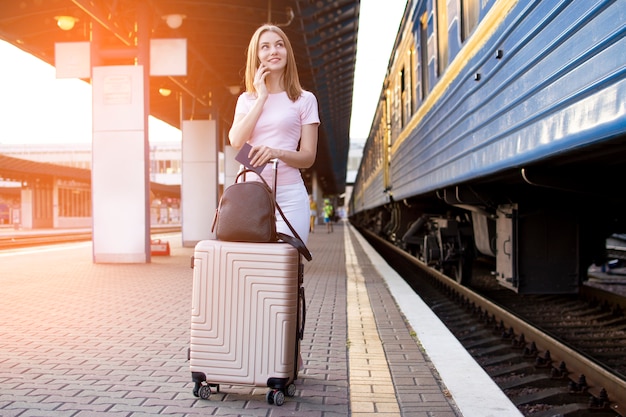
(259, 80)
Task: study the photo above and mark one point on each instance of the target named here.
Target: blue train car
(501, 133)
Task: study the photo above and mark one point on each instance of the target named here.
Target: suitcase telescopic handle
(274, 163)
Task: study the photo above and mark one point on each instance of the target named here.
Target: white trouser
(293, 199)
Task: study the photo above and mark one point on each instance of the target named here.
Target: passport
(242, 158)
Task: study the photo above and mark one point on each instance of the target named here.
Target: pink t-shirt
(280, 127)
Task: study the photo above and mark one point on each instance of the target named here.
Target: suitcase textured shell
(244, 312)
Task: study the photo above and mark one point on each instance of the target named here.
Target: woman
(279, 120)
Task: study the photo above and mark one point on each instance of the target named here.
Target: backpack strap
(296, 243)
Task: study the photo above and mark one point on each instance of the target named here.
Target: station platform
(83, 339)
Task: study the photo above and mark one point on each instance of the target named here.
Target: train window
(442, 36)
(469, 17)
(395, 113)
(424, 54)
(407, 87)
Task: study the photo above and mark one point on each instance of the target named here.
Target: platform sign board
(168, 57)
(72, 59)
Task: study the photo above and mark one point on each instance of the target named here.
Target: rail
(20, 239)
(577, 363)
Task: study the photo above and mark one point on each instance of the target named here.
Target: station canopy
(323, 34)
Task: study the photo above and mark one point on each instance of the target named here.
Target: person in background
(280, 120)
(313, 208)
(328, 215)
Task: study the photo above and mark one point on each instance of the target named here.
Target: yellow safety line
(371, 388)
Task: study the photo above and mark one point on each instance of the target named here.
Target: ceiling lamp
(165, 92)
(66, 22)
(174, 21)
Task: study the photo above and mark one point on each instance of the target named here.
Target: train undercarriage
(536, 239)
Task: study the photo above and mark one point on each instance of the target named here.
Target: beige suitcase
(247, 317)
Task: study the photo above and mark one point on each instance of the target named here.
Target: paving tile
(83, 339)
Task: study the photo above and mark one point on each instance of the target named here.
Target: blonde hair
(290, 75)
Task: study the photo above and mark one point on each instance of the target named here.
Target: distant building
(67, 203)
(165, 157)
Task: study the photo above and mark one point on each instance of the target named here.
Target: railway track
(49, 237)
(552, 355)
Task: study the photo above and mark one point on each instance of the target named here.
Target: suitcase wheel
(204, 392)
(291, 390)
(275, 396)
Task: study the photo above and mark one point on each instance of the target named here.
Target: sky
(37, 108)
(379, 21)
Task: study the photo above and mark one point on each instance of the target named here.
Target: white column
(317, 192)
(118, 174)
(199, 184)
